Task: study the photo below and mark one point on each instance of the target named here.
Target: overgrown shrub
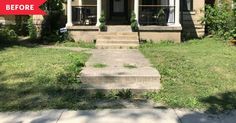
(233, 31)
(219, 20)
(133, 22)
(52, 21)
(32, 29)
(21, 27)
(7, 35)
(102, 21)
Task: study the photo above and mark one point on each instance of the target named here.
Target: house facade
(157, 19)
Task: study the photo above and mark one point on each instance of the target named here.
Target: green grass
(130, 66)
(199, 74)
(40, 78)
(77, 44)
(99, 65)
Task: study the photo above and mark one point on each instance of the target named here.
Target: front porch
(151, 12)
(154, 17)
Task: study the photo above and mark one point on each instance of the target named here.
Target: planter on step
(103, 29)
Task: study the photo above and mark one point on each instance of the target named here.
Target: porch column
(136, 10)
(80, 10)
(69, 14)
(171, 18)
(177, 13)
(99, 11)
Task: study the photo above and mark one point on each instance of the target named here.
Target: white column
(177, 13)
(80, 10)
(171, 18)
(136, 10)
(69, 14)
(99, 11)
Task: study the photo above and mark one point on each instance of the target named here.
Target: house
(157, 19)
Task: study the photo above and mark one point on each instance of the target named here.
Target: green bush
(218, 20)
(133, 22)
(32, 29)
(233, 31)
(21, 27)
(52, 21)
(7, 35)
(102, 21)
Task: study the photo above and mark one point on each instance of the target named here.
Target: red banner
(21, 7)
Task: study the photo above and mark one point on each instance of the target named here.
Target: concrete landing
(119, 69)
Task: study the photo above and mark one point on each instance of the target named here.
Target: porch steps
(117, 37)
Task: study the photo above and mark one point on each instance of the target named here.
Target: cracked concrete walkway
(122, 69)
(116, 116)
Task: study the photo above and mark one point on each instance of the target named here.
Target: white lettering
(21, 7)
(8, 7)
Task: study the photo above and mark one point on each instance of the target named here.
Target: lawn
(77, 44)
(198, 74)
(39, 78)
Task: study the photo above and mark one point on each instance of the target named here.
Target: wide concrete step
(119, 28)
(117, 33)
(116, 45)
(113, 41)
(121, 78)
(117, 37)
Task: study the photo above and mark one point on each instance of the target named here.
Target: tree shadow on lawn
(21, 42)
(221, 109)
(31, 96)
(42, 93)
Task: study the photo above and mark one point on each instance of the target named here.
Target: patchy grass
(39, 78)
(196, 74)
(99, 65)
(77, 44)
(130, 66)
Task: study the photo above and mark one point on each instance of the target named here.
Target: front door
(118, 10)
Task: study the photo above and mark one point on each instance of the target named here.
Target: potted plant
(161, 15)
(102, 20)
(133, 22)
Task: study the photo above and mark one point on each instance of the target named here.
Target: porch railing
(84, 15)
(156, 14)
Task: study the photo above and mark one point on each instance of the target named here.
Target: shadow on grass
(221, 102)
(21, 42)
(44, 93)
(221, 109)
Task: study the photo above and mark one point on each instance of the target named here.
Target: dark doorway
(118, 12)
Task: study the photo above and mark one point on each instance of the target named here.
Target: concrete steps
(117, 37)
(111, 78)
(116, 75)
(116, 46)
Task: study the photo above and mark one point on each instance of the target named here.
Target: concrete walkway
(117, 116)
(121, 69)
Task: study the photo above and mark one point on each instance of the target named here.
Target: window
(187, 5)
(149, 2)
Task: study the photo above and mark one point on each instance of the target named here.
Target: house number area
(19, 7)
